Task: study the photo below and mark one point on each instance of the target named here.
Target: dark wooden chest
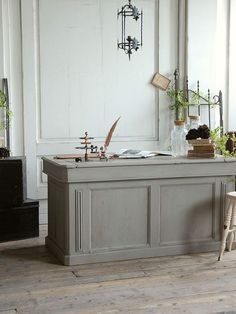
(19, 217)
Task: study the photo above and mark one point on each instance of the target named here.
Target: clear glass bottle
(194, 122)
(179, 145)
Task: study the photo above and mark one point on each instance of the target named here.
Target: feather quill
(110, 133)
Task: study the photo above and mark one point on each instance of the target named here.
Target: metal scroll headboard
(208, 101)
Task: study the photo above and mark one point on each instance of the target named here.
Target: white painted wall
(201, 42)
(208, 49)
(168, 61)
(60, 57)
(85, 82)
(11, 68)
(232, 67)
(79, 81)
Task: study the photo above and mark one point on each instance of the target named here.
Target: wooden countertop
(116, 162)
(136, 169)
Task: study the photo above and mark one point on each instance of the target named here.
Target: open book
(136, 153)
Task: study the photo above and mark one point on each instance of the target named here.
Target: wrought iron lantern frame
(129, 43)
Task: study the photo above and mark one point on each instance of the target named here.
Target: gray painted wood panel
(119, 217)
(130, 209)
(191, 206)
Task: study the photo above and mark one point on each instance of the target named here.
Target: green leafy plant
(220, 142)
(196, 97)
(6, 112)
(5, 116)
(181, 100)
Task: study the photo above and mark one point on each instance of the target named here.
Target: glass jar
(179, 144)
(194, 122)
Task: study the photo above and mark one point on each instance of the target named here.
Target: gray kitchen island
(124, 209)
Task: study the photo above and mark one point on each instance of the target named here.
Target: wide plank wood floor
(32, 281)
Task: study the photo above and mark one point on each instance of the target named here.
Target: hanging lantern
(129, 43)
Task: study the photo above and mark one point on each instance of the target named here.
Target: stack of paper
(136, 153)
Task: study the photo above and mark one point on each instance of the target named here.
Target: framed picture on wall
(160, 81)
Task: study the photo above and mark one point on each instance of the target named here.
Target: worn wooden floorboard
(32, 281)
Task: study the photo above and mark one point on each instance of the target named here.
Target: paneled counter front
(124, 209)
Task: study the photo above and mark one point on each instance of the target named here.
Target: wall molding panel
(65, 96)
(71, 85)
(66, 80)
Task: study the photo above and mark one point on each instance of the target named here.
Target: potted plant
(181, 100)
(221, 142)
(5, 114)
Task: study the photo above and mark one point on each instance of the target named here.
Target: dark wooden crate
(20, 222)
(19, 218)
(12, 182)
